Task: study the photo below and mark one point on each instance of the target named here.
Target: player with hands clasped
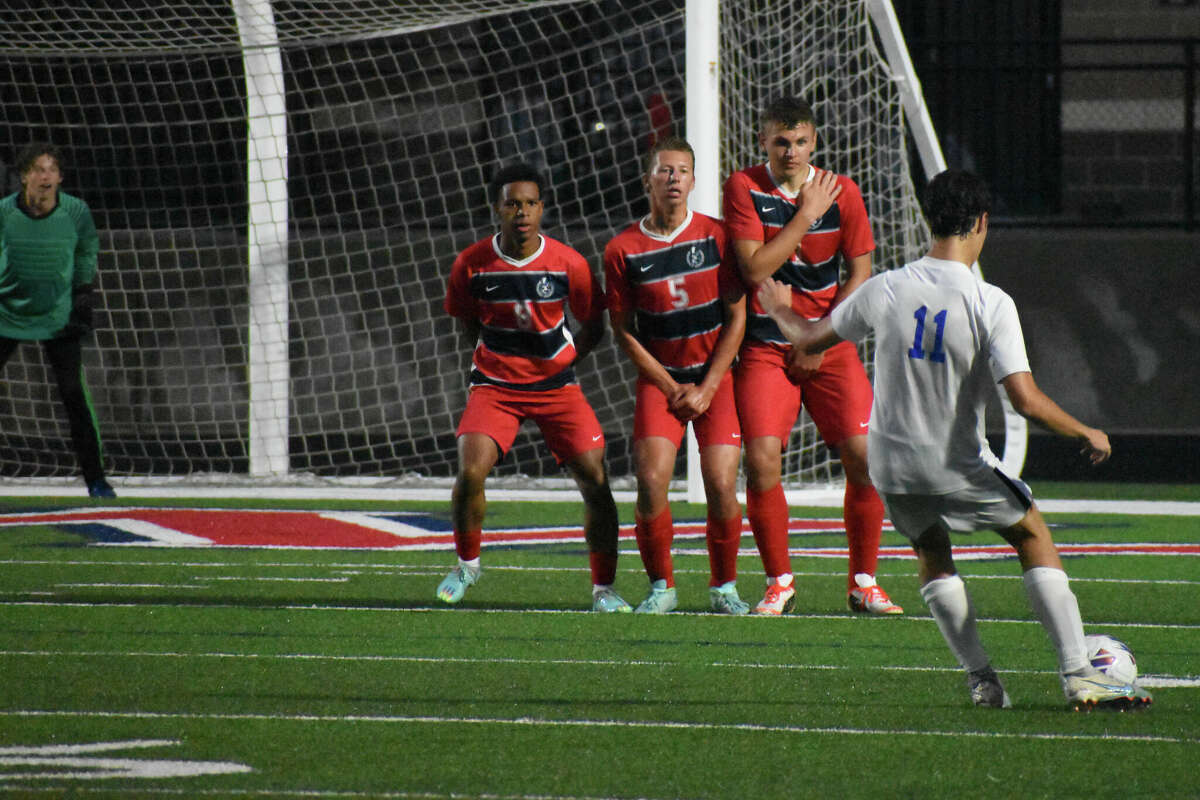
(943, 339)
(678, 311)
(511, 292)
(788, 219)
(48, 252)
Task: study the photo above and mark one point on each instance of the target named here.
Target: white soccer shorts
(991, 501)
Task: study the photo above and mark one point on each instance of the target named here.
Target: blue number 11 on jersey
(937, 355)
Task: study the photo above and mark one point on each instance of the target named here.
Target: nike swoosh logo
(491, 288)
(596, 438)
(648, 266)
(864, 424)
(737, 436)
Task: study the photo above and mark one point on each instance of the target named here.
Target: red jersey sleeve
(616, 288)
(741, 220)
(586, 295)
(729, 277)
(459, 302)
(856, 227)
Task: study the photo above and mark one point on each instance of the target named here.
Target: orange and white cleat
(778, 599)
(870, 598)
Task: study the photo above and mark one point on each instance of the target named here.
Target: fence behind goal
(390, 119)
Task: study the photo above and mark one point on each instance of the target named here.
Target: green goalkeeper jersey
(42, 260)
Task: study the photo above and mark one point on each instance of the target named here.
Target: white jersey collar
(513, 261)
(812, 173)
(667, 237)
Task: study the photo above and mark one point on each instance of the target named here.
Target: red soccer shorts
(717, 425)
(838, 397)
(564, 416)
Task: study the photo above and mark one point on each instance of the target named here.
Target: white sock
(955, 616)
(1057, 609)
(784, 580)
(472, 564)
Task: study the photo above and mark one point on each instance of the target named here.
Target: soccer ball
(1112, 657)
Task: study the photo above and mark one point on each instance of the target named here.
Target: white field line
(316, 607)
(530, 722)
(331, 794)
(1148, 680)
(356, 568)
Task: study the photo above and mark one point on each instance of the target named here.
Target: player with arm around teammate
(511, 292)
(943, 339)
(48, 253)
(678, 312)
(788, 219)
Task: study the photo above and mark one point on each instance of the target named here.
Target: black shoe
(100, 488)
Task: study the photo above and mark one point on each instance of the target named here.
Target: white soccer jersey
(943, 339)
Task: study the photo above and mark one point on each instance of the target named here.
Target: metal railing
(1072, 131)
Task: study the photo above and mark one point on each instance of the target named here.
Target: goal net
(384, 123)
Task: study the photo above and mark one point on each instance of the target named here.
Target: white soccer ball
(1112, 657)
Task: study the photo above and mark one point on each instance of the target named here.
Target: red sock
(862, 511)
(604, 568)
(768, 515)
(467, 543)
(724, 538)
(654, 538)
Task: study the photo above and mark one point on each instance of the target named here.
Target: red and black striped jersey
(756, 208)
(673, 285)
(521, 306)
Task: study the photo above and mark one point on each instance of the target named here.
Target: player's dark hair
(789, 111)
(676, 144)
(954, 201)
(35, 150)
(516, 173)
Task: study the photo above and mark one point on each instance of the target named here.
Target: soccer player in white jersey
(943, 339)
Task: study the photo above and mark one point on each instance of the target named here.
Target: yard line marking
(94, 747)
(746, 727)
(127, 586)
(69, 762)
(305, 793)
(758, 620)
(264, 578)
(1148, 680)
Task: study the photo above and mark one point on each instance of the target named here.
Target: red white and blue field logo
(391, 530)
(398, 530)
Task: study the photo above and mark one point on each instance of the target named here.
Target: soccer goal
(281, 188)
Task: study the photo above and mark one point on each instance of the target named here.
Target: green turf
(333, 674)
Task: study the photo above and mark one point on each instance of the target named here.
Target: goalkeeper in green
(48, 249)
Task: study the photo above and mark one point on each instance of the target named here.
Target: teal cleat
(661, 599)
(724, 600)
(452, 589)
(606, 601)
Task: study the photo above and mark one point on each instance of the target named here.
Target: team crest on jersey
(544, 287)
(695, 257)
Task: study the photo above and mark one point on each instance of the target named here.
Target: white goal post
(883, 15)
(280, 189)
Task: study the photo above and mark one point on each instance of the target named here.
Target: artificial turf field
(144, 670)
